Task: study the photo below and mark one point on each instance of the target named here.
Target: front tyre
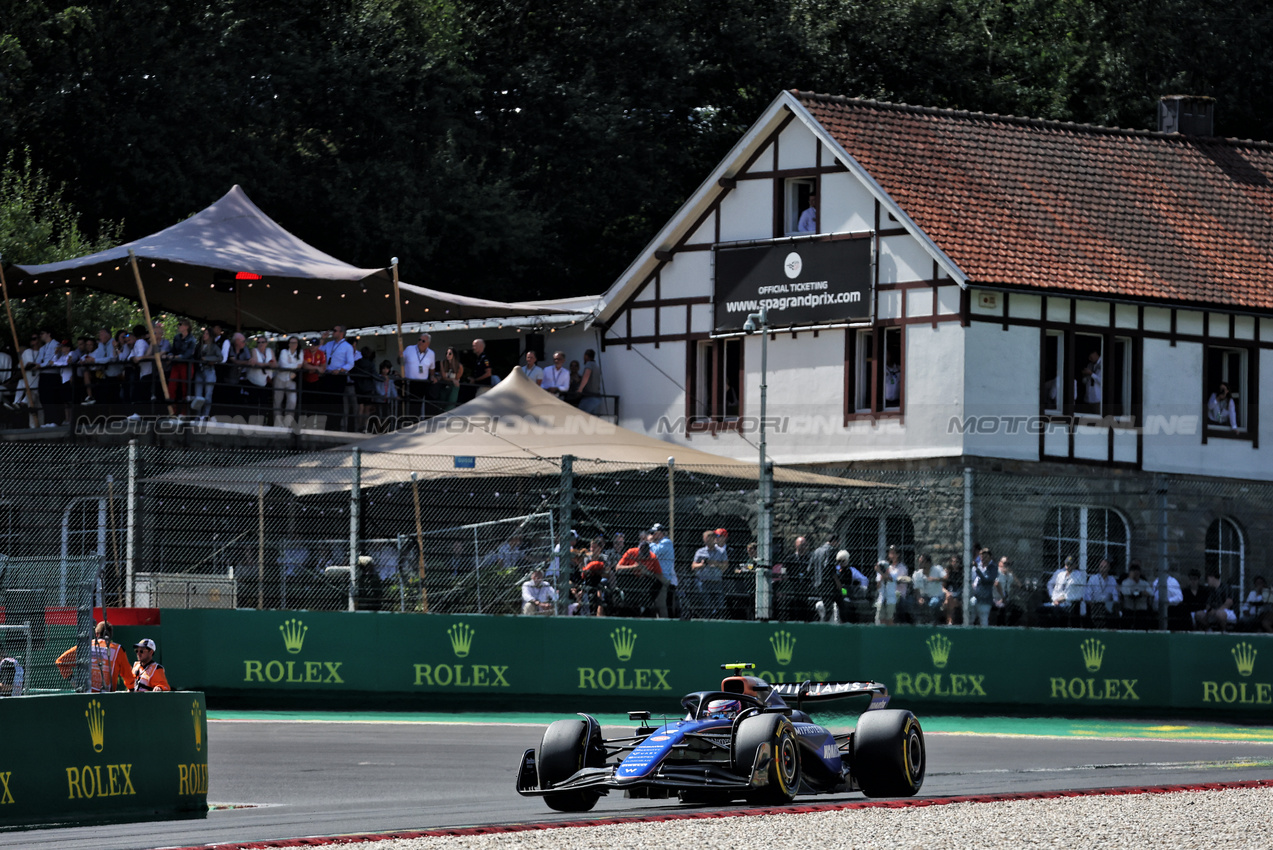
(562, 752)
(889, 755)
(774, 738)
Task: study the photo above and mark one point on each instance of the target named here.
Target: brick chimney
(1188, 115)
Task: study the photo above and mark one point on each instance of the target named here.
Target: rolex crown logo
(96, 724)
(196, 712)
(624, 640)
(1093, 654)
(461, 635)
(293, 634)
(939, 647)
(784, 644)
(1244, 656)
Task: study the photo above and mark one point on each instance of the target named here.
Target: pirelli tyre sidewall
(775, 738)
(563, 751)
(889, 754)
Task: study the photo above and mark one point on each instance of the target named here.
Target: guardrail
(572, 663)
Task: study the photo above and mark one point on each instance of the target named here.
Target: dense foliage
(519, 149)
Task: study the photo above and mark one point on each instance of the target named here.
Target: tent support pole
(419, 538)
(397, 310)
(150, 330)
(17, 346)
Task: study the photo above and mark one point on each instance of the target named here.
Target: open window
(876, 377)
(798, 194)
(1086, 374)
(716, 381)
(1227, 390)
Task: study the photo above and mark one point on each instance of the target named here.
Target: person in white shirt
(289, 361)
(144, 367)
(557, 376)
(1220, 408)
(538, 596)
(419, 370)
(262, 371)
(1102, 594)
(885, 594)
(1092, 378)
(531, 369)
(809, 218)
(1068, 589)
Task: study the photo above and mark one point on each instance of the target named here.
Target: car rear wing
(823, 691)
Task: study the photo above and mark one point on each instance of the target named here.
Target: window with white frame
(716, 380)
(1227, 389)
(1054, 397)
(1086, 533)
(1100, 374)
(798, 193)
(876, 378)
(1226, 550)
(867, 538)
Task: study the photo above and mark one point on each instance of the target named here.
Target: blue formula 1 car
(742, 742)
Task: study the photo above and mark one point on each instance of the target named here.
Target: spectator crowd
(643, 577)
(200, 374)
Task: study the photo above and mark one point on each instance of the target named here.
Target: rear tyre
(775, 737)
(889, 756)
(562, 752)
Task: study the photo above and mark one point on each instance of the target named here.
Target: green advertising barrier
(576, 663)
(86, 758)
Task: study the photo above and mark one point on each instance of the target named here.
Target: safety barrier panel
(642, 663)
(84, 758)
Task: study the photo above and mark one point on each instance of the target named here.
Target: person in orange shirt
(108, 663)
(149, 673)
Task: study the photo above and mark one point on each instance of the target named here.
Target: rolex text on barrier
(86, 758)
(625, 663)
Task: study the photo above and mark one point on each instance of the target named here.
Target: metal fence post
(967, 600)
(355, 518)
(566, 500)
(130, 537)
(1162, 583)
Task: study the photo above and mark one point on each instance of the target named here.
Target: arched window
(1226, 550)
(1088, 533)
(867, 538)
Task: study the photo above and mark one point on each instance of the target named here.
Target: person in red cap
(148, 672)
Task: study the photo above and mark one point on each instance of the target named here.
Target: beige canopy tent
(232, 262)
(513, 430)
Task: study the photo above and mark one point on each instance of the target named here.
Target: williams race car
(750, 741)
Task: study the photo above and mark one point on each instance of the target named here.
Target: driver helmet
(726, 708)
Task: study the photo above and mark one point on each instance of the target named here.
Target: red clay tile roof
(1114, 213)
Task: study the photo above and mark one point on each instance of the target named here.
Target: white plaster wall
(846, 206)
(688, 275)
(1173, 418)
(747, 212)
(650, 381)
(902, 259)
(797, 147)
(1001, 390)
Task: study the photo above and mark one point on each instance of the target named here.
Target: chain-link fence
(47, 623)
(345, 529)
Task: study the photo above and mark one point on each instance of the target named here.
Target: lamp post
(764, 525)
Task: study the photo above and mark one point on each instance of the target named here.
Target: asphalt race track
(331, 778)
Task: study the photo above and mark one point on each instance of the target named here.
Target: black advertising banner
(800, 283)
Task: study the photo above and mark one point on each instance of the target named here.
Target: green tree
(38, 225)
